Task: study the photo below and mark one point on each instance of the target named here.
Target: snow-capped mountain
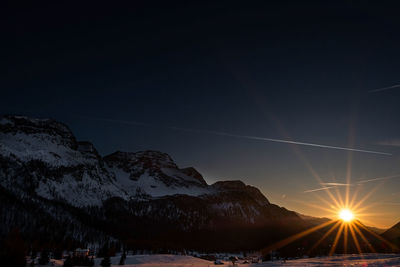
(123, 194)
(44, 158)
(154, 174)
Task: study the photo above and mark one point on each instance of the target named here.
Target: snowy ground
(347, 260)
(188, 261)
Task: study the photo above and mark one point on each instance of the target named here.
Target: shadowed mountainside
(50, 181)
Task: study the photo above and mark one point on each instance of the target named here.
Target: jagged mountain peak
(45, 140)
(87, 147)
(190, 171)
(229, 185)
(237, 185)
(148, 158)
(152, 160)
(41, 162)
(21, 124)
(155, 174)
(58, 166)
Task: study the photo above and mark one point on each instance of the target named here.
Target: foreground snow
(346, 260)
(186, 261)
(160, 260)
(189, 261)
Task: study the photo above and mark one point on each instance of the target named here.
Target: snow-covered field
(346, 260)
(160, 260)
(189, 261)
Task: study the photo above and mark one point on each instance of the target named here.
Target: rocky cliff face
(123, 194)
(43, 159)
(154, 174)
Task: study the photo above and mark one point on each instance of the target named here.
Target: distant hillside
(393, 234)
(313, 220)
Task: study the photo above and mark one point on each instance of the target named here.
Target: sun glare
(346, 215)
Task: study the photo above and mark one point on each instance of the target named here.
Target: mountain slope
(154, 174)
(43, 156)
(393, 234)
(138, 197)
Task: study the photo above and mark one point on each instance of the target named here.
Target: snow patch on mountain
(58, 167)
(149, 185)
(85, 192)
(4, 121)
(43, 147)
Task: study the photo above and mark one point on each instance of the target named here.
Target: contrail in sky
(377, 179)
(240, 136)
(319, 189)
(327, 186)
(384, 88)
(335, 184)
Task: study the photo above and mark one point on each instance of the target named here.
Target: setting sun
(346, 215)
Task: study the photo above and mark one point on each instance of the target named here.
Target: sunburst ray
(297, 236)
(355, 239)
(335, 242)
(364, 238)
(336, 225)
(345, 239)
(368, 195)
(390, 244)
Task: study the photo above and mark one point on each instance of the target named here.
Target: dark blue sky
(278, 69)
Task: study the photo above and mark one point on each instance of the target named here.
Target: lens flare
(346, 215)
(345, 211)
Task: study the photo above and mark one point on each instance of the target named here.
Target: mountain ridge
(44, 166)
(393, 234)
(48, 144)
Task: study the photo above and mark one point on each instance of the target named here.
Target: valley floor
(189, 261)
